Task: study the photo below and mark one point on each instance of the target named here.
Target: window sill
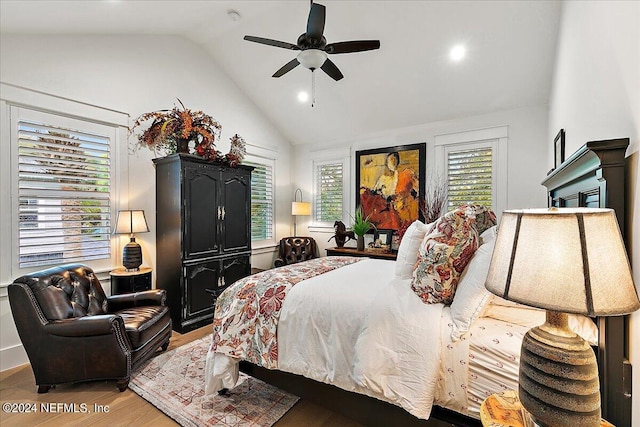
(263, 249)
(321, 229)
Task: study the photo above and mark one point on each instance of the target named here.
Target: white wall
(526, 153)
(137, 75)
(596, 95)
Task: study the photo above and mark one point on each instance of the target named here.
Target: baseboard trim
(10, 357)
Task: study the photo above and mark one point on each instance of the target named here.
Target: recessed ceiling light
(303, 96)
(457, 52)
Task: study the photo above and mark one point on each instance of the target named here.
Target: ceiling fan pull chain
(313, 88)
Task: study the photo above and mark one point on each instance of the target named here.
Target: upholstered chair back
(296, 249)
(72, 291)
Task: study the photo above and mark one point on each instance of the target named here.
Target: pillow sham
(443, 255)
(408, 250)
(524, 315)
(471, 296)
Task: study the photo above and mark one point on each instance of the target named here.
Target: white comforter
(358, 328)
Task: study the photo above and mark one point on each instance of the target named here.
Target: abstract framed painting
(390, 182)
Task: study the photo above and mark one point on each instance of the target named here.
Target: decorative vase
(182, 146)
(360, 243)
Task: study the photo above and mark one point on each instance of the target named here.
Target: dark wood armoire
(203, 234)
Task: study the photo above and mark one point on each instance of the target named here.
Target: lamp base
(132, 255)
(559, 383)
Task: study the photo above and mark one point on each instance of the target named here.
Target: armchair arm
(137, 299)
(279, 262)
(86, 326)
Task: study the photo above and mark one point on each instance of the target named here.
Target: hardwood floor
(17, 385)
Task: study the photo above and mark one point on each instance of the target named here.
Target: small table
(124, 282)
(354, 252)
(505, 410)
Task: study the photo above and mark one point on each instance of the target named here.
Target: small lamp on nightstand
(566, 260)
(299, 208)
(131, 222)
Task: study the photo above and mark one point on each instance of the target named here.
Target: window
(329, 192)
(64, 181)
(261, 200)
(469, 177)
(474, 165)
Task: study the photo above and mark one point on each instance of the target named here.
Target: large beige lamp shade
(566, 260)
(131, 222)
(299, 208)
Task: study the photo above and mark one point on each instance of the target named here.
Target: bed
(351, 334)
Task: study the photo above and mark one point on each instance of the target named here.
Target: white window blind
(470, 177)
(261, 201)
(64, 186)
(329, 192)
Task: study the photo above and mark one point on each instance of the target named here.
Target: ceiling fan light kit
(312, 58)
(314, 47)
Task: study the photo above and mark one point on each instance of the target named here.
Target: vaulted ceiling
(410, 80)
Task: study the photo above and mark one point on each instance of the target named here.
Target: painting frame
(558, 149)
(394, 203)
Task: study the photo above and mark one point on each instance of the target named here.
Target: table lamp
(564, 260)
(130, 222)
(299, 208)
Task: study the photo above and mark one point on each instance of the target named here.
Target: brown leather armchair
(296, 249)
(73, 332)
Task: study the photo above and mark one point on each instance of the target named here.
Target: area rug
(173, 382)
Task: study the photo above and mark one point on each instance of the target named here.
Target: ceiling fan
(313, 46)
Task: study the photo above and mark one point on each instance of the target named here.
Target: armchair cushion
(143, 323)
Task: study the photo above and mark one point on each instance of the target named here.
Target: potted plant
(360, 227)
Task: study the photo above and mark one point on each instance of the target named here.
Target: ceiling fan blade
(352, 46)
(286, 68)
(270, 42)
(315, 24)
(330, 68)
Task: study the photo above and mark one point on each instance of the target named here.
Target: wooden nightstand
(124, 282)
(354, 252)
(505, 410)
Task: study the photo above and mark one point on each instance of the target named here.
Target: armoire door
(236, 205)
(200, 280)
(202, 211)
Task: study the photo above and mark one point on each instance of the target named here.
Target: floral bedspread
(247, 313)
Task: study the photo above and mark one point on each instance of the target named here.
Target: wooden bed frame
(593, 176)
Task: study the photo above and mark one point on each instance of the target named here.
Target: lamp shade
(569, 260)
(130, 222)
(300, 208)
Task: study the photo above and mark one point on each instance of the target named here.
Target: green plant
(361, 224)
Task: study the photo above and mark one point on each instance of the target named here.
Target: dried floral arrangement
(433, 206)
(181, 130)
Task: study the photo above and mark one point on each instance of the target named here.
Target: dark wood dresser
(354, 252)
(203, 234)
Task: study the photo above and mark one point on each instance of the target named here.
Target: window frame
(18, 97)
(345, 163)
(269, 162)
(495, 138)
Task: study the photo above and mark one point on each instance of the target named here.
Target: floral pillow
(446, 251)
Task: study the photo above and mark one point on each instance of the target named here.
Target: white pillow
(524, 315)
(471, 295)
(408, 250)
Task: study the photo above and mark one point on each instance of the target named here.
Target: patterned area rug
(174, 383)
